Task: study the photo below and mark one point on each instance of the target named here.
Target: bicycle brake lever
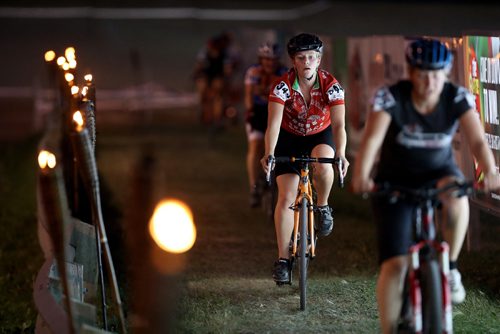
(341, 174)
(270, 160)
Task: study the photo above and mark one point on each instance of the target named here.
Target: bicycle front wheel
(303, 256)
(432, 311)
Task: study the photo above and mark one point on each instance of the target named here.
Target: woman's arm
(373, 137)
(275, 116)
(474, 132)
(339, 134)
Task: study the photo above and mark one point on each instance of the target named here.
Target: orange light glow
(172, 227)
(72, 63)
(88, 77)
(46, 159)
(74, 90)
(65, 66)
(69, 53)
(85, 89)
(379, 59)
(78, 119)
(69, 77)
(50, 56)
(61, 60)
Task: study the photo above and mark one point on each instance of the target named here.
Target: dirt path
(228, 285)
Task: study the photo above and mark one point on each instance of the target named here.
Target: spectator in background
(306, 118)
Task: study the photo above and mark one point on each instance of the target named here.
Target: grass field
(226, 286)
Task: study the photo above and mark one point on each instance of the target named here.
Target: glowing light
(70, 53)
(69, 77)
(72, 63)
(74, 90)
(379, 59)
(172, 226)
(88, 77)
(46, 159)
(78, 119)
(85, 89)
(61, 60)
(65, 66)
(50, 56)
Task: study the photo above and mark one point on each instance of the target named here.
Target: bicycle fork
(306, 191)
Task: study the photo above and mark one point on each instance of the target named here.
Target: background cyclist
(306, 117)
(258, 81)
(413, 123)
(215, 64)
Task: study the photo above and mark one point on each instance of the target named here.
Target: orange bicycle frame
(304, 190)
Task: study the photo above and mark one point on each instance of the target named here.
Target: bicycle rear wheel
(432, 311)
(303, 256)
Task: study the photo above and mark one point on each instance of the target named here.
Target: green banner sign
(482, 78)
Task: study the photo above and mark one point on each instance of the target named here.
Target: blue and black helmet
(428, 54)
(304, 42)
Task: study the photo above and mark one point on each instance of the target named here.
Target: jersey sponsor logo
(282, 91)
(383, 100)
(411, 136)
(335, 93)
(464, 94)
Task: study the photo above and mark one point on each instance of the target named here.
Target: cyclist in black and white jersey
(412, 124)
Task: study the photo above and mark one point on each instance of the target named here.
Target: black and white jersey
(417, 144)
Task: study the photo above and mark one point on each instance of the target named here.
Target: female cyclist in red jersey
(306, 117)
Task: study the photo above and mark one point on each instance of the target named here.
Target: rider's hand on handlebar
(345, 165)
(265, 163)
(491, 181)
(362, 185)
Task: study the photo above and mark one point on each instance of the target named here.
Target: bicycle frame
(425, 243)
(428, 260)
(304, 190)
(303, 201)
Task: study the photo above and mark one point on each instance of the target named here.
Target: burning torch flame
(69, 77)
(50, 56)
(61, 60)
(74, 90)
(78, 119)
(46, 159)
(70, 53)
(172, 227)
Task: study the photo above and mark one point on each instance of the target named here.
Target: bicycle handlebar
(333, 161)
(394, 192)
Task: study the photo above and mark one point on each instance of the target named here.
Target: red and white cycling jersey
(298, 117)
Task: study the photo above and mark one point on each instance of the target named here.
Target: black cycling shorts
(291, 145)
(258, 118)
(394, 220)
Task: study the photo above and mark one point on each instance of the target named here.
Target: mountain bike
(303, 238)
(427, 304)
